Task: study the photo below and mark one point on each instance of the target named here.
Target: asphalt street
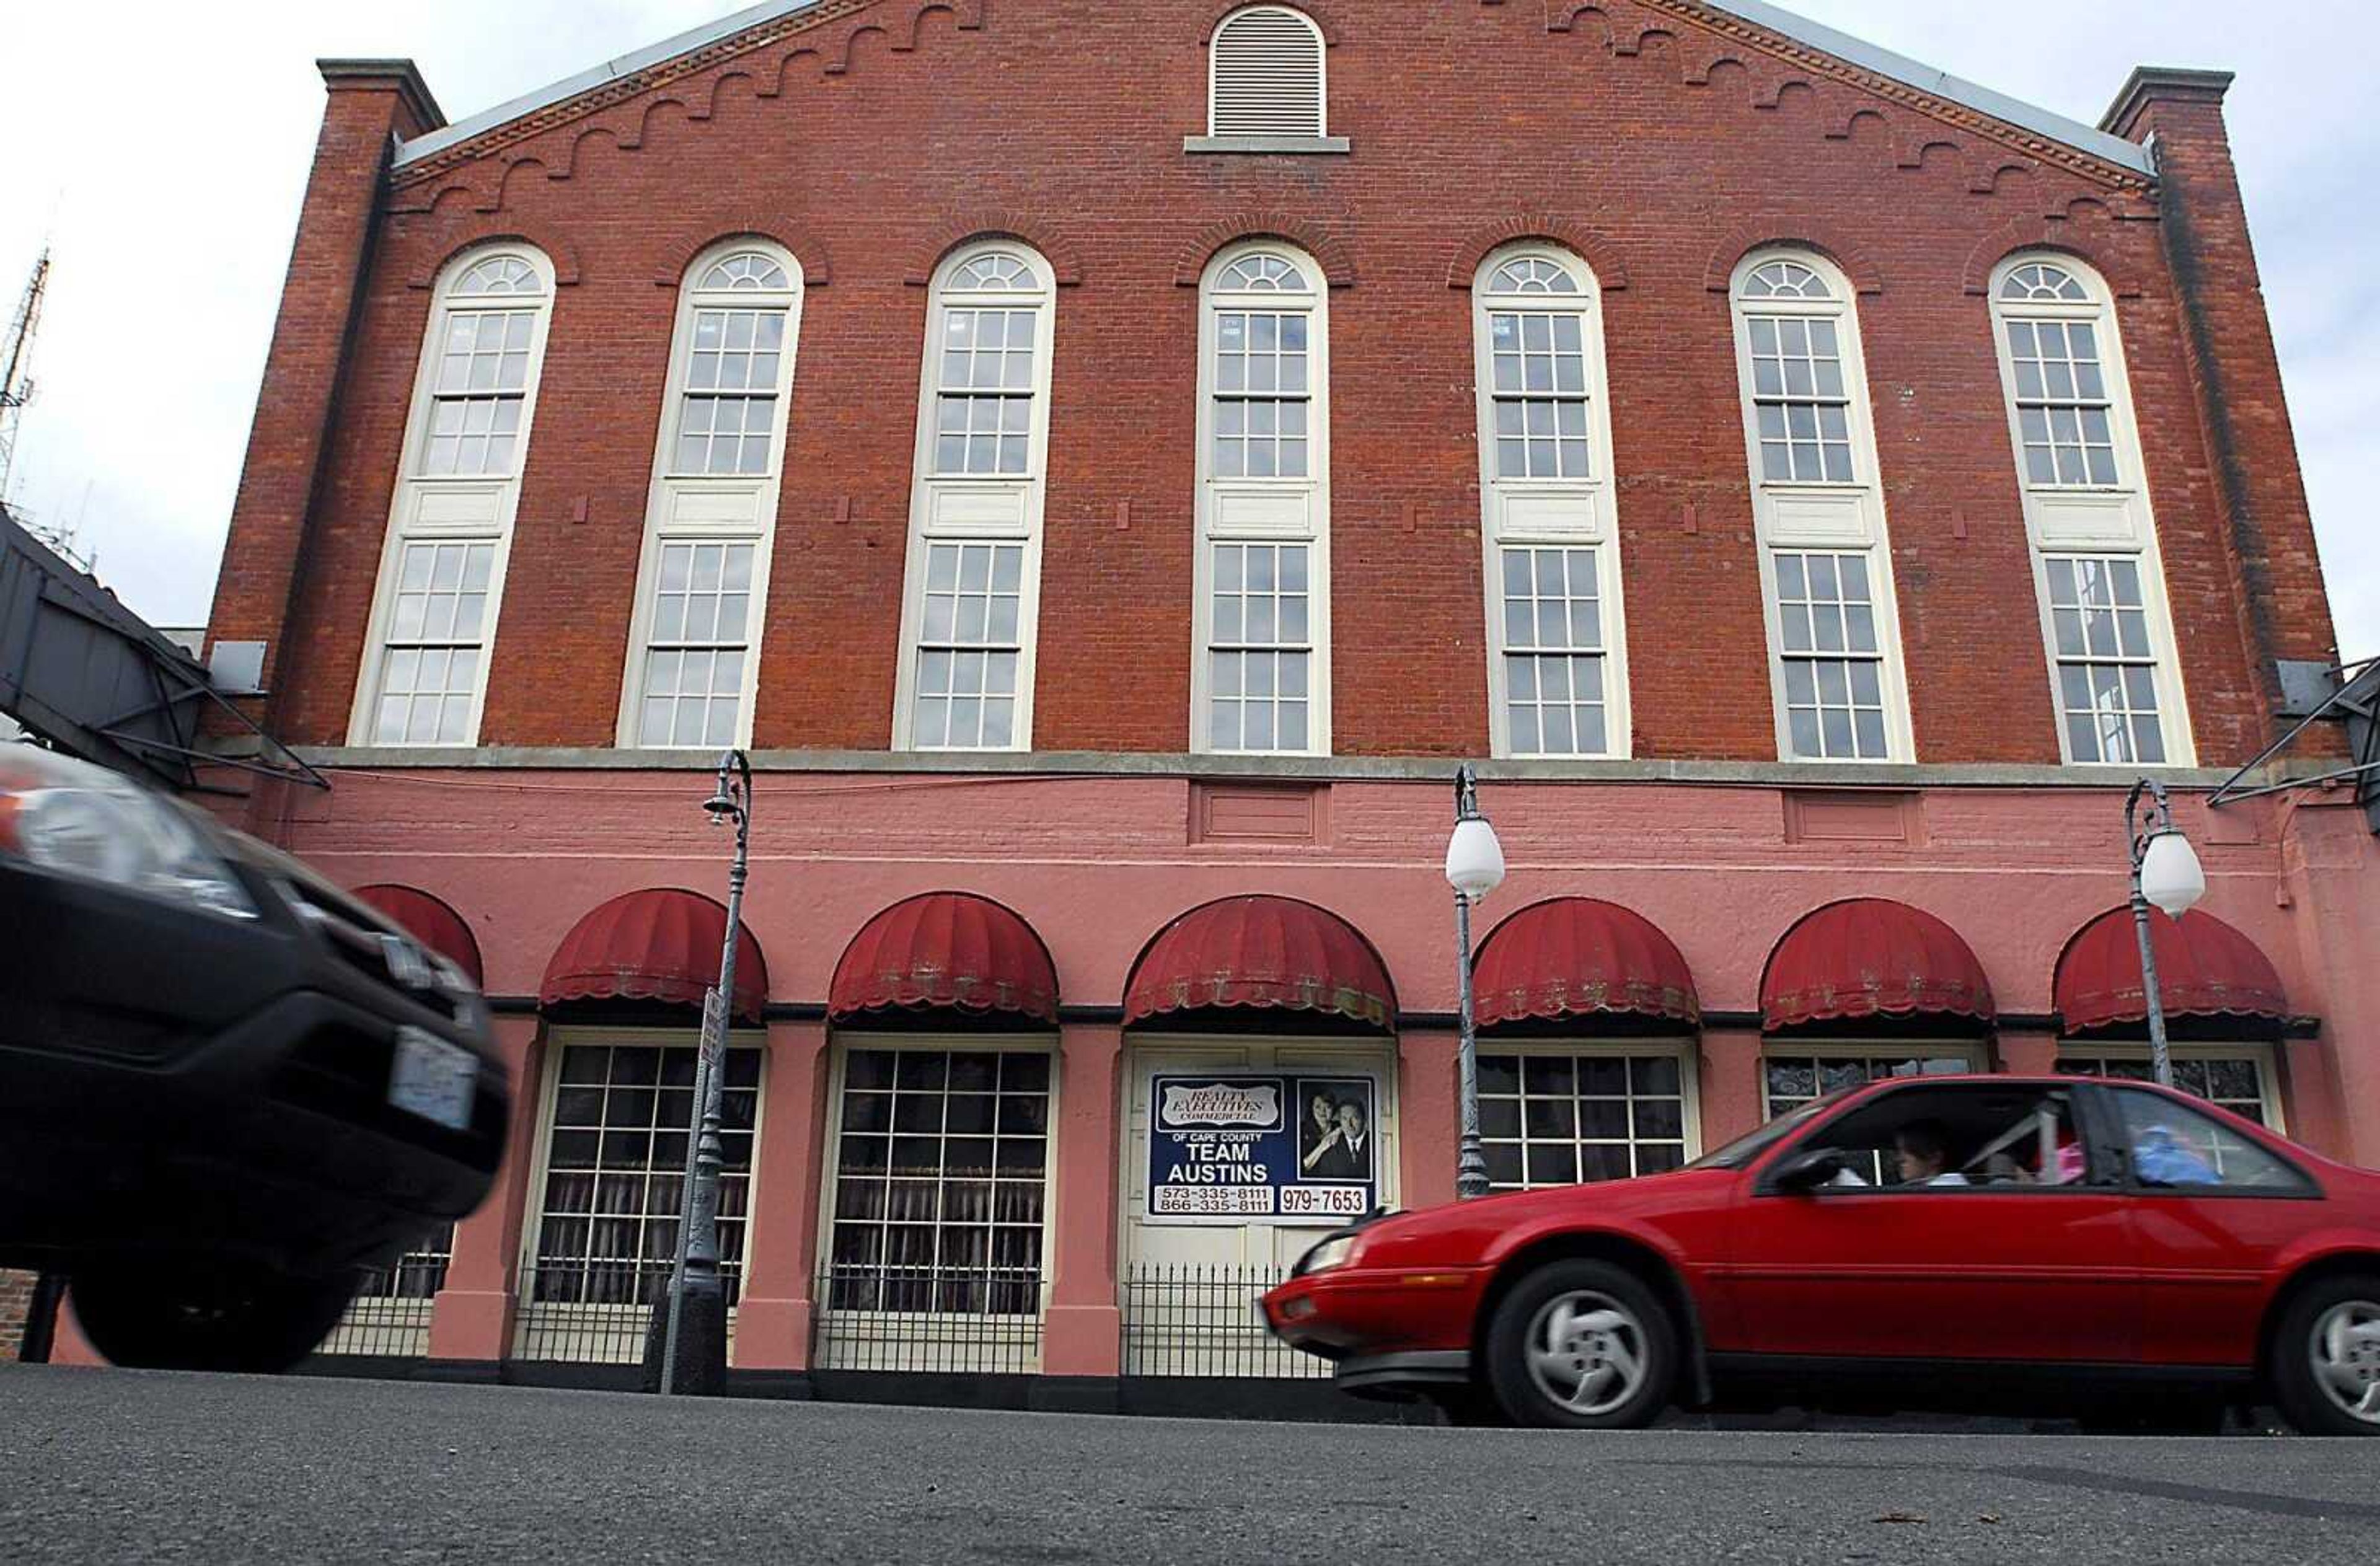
(116, 1465)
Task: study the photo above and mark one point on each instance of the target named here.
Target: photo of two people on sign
(1335, 1140)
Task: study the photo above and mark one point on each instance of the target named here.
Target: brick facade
(1659, 140)
(16, 1301)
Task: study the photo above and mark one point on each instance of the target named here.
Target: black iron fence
(1203, 1321)
(980, 1321)
(595, 1312)
(389, 1318)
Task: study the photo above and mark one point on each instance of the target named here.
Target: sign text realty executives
(1225, 1149)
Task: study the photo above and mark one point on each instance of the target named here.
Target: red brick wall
(869, 138)
(16, 1299)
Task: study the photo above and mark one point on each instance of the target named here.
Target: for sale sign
(1233, 1149)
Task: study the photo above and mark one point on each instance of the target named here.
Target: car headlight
(73, 818)
(1337, 1251)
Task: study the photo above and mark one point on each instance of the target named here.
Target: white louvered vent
(1267, 75)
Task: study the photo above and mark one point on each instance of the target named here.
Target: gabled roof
(1939, 84)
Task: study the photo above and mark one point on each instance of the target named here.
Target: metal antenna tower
(16, 367)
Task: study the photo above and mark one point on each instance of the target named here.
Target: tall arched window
(441, 573)
(1826, 561)
(1264, 74)
(712, 507)
(2086, 509)
(1260, 677)
(1557, 676)
(976, 505)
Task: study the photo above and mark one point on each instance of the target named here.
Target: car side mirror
(1806, 1171)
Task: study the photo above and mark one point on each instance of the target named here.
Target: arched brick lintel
(1065, 261)
(1601, 257)
(558, 247)
(1320, 11)
(694, 238)
(1338, 266)
(1730, 251)
(2096, 243)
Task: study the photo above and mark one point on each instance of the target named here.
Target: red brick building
(1107, 462)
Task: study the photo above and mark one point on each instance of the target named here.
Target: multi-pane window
(419, 1274)
(615, 1156)
(1794, 1079)
(1537, 375)
(1260, 671)
(2107, 668)
(425, 665)
(1262, 392)
(973, 563)
(1559, 1120)
(968, 651)
(1553, 652)
(481, 381)
(2235, 1082)
(712, 503)
(1262, 648)
(437, 625)
(2064, 411)
(1833, 660)
(941, 1182)
(1799, 396)
(695, 648)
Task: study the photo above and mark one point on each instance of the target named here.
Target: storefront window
(2240, 1082)
(615, 1158)
(1793, 1080)
(1562, 1119)
(941, 1179)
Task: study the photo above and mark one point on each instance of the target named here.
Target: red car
(1935, 1242)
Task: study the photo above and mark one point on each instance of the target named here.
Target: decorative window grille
(1267, 75)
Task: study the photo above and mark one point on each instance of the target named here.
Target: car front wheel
(193, 1317)
(1582, 1345)
(2325, 1364)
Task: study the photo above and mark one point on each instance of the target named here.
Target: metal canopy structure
(87, 674)
(2353, 699)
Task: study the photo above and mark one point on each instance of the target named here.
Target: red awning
(1271, 952)
(1871, 957)
(946, 949)
(2205, 969)
(657, 945)
(1575, 957)
(431, 922)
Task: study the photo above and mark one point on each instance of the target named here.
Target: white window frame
(1976, 1052)
(1821, 517)
(1551, 511)
(1321, 127)
(1682, 1049)
(738, 508)
(2265, 1057)
(1264, 510)
(447, 508)
(904, 1325)
(536, 1319)
(979, 508)
(2088, 520)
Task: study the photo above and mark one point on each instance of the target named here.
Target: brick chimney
(2234, 369)
(372, 104)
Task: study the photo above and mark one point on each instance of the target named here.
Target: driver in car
(1922, 1151)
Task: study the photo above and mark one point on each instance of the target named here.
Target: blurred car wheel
(1583, 1345)
(195, 1316)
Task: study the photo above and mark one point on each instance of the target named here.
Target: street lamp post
(1474, 867)
(2166, 874)
(697, 1328)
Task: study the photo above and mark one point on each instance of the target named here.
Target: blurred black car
(226, 1087)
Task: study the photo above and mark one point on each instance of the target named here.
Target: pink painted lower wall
(1098, 865)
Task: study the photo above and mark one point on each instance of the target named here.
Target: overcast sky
(165, 148)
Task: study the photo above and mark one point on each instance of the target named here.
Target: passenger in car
(1922, 1148)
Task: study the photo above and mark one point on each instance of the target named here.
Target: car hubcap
(1586, 1352)
(2347, 1357)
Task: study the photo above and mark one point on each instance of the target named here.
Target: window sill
(1268, 144)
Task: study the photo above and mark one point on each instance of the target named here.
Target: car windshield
(1750, 1146)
